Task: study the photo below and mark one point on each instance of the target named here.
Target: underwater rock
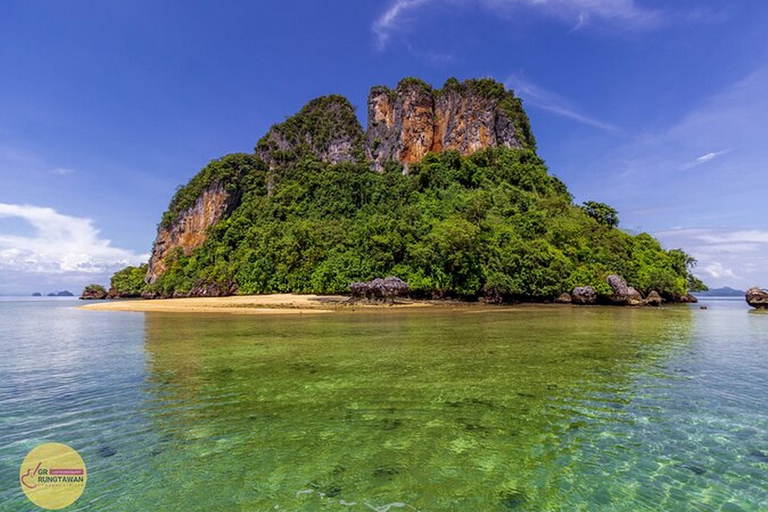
(512, 499)
(106, 451)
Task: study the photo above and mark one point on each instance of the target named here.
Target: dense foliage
(494, 223)
(128, 282)
(94, 291)
(313, 130)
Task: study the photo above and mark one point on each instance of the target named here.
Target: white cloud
(726, 257)
(62, 171)
(61, 245)
(752, 236)
(717, 271)
(552, 102)
(579, 13)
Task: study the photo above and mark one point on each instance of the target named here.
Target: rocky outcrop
(653, 299)
(685, 299)
(326, 128)
(93, 292)
(564, 298)
(623, 294)
(757, 297)
(189, 230)
(379, 290)
(406, 123)
(584, 295)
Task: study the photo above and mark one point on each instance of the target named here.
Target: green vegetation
(94, 291)
(312, 131)
(129, 282)
(417, 83)
(602, 213)
(494, 224)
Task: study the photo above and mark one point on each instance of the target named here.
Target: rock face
(584, 295)
(686, 299)
(406, 123)
(188, 231)
(623, 294)
(653, 299)
(379, 290)
(757, 298)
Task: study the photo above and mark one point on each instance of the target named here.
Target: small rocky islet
(757, 297)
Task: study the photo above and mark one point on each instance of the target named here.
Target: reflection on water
(437, 411)
(527, 408)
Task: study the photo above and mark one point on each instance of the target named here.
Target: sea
(456, 408)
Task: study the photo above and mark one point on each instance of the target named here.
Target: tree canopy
(495, 223)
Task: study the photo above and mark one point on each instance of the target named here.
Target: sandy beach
(282, 303)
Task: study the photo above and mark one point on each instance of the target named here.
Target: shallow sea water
(480, 409)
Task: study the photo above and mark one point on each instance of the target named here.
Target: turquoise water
(488, 409)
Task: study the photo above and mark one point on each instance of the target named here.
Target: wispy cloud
(394, 19)
(61, 245)
(579, 13)
(726, 256)
(537, 96)
(62, 171)
(707, 157)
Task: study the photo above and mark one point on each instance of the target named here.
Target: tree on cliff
(602, 213)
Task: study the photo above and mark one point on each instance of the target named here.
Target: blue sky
(657, 108)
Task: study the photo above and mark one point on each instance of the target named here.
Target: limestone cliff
(188, 231)
(208, 198)
(406, 123)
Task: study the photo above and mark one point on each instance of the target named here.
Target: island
(63, 293)
(443, 190)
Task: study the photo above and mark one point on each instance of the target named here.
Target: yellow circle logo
(53, 476)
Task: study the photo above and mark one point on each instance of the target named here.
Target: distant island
(444, 190)
(37, 294)
(64, 293)
(721, 292)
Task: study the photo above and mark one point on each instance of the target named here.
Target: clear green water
(525, 408)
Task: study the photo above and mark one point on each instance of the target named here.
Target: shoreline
(297, 304)
(279, 303)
